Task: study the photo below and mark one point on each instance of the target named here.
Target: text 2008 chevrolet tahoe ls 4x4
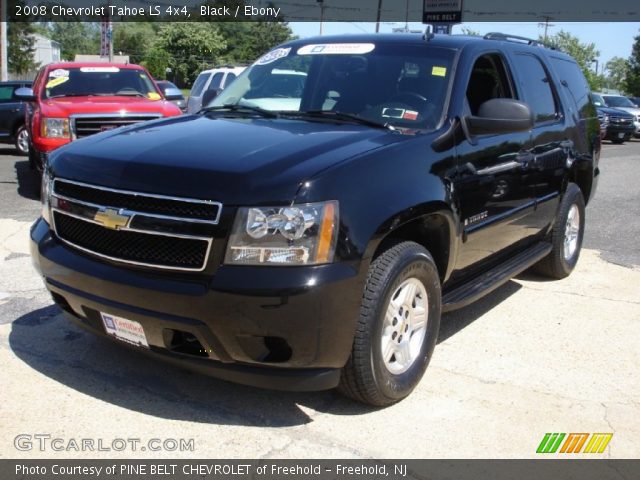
(307, 229)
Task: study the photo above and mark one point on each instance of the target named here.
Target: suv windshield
(101, 81)
(398, 85)
(613, 101)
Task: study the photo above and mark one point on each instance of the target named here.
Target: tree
(584, 53)
(157, 61)
(191, 46)
(75, 38)
(617, 68)
(260, 38)
(135, 39)
(470, 31)
(21, 47)
(632, 80)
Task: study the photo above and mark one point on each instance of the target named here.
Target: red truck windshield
(99, 81)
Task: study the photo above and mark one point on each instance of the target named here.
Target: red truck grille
(84, 126)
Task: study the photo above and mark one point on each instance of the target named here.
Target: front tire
(22, 140)
(566, 236)
(397, 329)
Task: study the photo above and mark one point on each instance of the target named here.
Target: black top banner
(446, 11)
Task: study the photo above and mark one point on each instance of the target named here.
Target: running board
(483, 284)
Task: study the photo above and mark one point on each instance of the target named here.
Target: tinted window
(570, 74)
(536, 87)
(216, 81)
(6, 93)
(597, 100)
(488, 80)
(199, 84)
(615, 101)
(230, 78)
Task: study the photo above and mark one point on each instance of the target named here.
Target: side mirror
(209, 95)
(172, 94)
(25, 94)
(500, 115)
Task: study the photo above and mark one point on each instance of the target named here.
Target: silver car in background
(214, 80)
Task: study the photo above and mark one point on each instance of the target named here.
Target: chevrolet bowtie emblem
(110, 218)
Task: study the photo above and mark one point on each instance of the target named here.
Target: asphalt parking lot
(534, 357)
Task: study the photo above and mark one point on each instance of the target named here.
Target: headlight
(45, 194)
(54, 128)
(606, 118)
(294, 235)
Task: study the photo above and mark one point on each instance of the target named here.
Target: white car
(623, 103)
(216, 80)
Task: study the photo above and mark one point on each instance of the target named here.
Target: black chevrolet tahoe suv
(308, 227)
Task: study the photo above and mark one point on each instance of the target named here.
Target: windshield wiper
(232, 107)
(340, 116)
(62, 95)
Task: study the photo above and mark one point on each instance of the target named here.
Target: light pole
(4, 60)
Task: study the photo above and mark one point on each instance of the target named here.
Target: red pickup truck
(73, 100)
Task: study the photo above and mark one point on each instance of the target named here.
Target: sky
(612, 39)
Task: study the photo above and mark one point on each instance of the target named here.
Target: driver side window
(489, 79)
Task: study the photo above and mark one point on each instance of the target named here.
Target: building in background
(47, 50)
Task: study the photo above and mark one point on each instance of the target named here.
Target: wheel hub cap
(571, 232)
(404, 326)
(23, 141)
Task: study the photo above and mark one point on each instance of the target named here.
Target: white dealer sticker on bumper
(123, 329)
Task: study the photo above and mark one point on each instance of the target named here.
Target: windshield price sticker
(273, 55)
(58, 73)
(56, 81)
(337, 49)
(439, 71)
(99, 69)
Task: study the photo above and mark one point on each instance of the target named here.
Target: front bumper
(287, 328)
(614, 131)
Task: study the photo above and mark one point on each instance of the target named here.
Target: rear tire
(566, 236)
(397, 328)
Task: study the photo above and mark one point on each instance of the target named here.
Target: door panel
(495, 195)
(550, 137)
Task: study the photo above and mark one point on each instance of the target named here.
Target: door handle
(501, 167)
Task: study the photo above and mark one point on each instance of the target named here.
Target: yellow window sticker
(153, 96)
(55, 82)
(439, 71)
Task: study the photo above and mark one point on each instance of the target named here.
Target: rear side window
(536, 86)
(230, 78)
(6, 93)
(216, 81)
(572, 78)
(199, 84)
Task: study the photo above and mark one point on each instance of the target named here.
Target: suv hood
(632, 110)
(614, 111)
(237, 161)
(66, 106)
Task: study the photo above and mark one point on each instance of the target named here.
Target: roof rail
(517, 39)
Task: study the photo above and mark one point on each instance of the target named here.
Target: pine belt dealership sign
(442, 11)
(428, 11)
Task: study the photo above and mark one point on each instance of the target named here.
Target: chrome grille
(85, 125)
(151, 230)
(622, 120)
